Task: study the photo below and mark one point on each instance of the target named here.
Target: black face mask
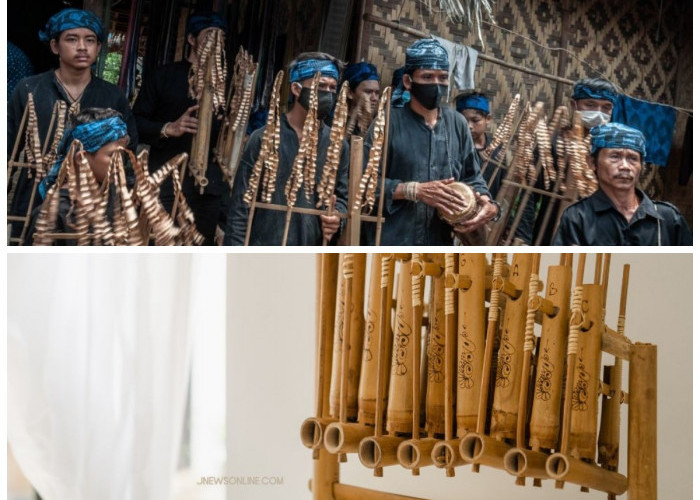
(428, 95)
(326, 101)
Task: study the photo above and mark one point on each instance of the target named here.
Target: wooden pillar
(641, 448)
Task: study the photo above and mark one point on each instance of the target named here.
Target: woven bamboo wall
(627, 41)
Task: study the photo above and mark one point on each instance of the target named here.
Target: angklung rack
(487, 366)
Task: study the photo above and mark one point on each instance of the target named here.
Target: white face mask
(594, 118)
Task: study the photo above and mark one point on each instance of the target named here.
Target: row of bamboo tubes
(423, 373)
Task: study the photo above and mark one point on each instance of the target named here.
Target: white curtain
(98, 366)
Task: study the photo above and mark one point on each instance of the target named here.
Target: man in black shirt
(75, 36)
(618, 213)
(164, 115)
(268, 225)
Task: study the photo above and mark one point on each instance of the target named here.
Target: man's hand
(437, 194)
(487, 211)
(330, 223)
(186, 124)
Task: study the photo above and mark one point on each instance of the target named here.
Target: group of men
(431, 147)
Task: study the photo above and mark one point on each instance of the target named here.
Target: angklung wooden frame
(394, 411)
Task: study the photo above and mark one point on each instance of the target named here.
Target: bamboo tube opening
(334, 439)
(375, 452)
(312, 431)
(521, 462)
(370, 453)
(557, 466)
(446, 455)
(416, 453)
(471, 447)
(342, 437)
(515, 462)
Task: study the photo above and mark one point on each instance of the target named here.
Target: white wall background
(271, 380)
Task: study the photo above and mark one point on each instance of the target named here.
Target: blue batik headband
(308, 68)
(426, 53)
(69, 19)
(617, 136)
(202, 20)
(584, 92)
(480, 103)
(92, 136)
(357, 73)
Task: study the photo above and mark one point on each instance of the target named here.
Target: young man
(75, 36)
(268, 225)
(363, 81)
(166, 120)
(618, 213)
(101, 132)
(429, 148)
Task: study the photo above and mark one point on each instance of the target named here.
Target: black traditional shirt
(596, 221)
(268, 225)
(418, 153)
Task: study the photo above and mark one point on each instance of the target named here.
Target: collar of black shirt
(601, 203)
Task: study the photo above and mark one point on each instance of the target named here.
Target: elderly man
(430, 147)
(268, 225)
(618, 213)
(75, 37)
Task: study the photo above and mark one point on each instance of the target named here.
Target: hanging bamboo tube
(474, 448)
(326, 469)
(504, 409)
(534, 304)
(573, 462)
(367, 396)
(344, 437)
(326, 283)
(380, 451)
(416, 452)
(199, 156)
(546, 400)
(470, 283)
(445, 453)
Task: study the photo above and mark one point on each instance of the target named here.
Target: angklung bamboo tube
(349, 327)
(546, 400)
(371, 448)
(445, 453)
(415, 453)
(399, 408)
(504, 412)
(435, 390)
(326, 283)
(546, 403)
(367, 394)
(472, 447)
(584, 415)
(470, 350)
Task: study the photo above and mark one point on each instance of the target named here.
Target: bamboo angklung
(422, 417)
(304, 166)
(326, 187)
(416, 452)
(207, 85)
(367, 193)
(233, 130)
